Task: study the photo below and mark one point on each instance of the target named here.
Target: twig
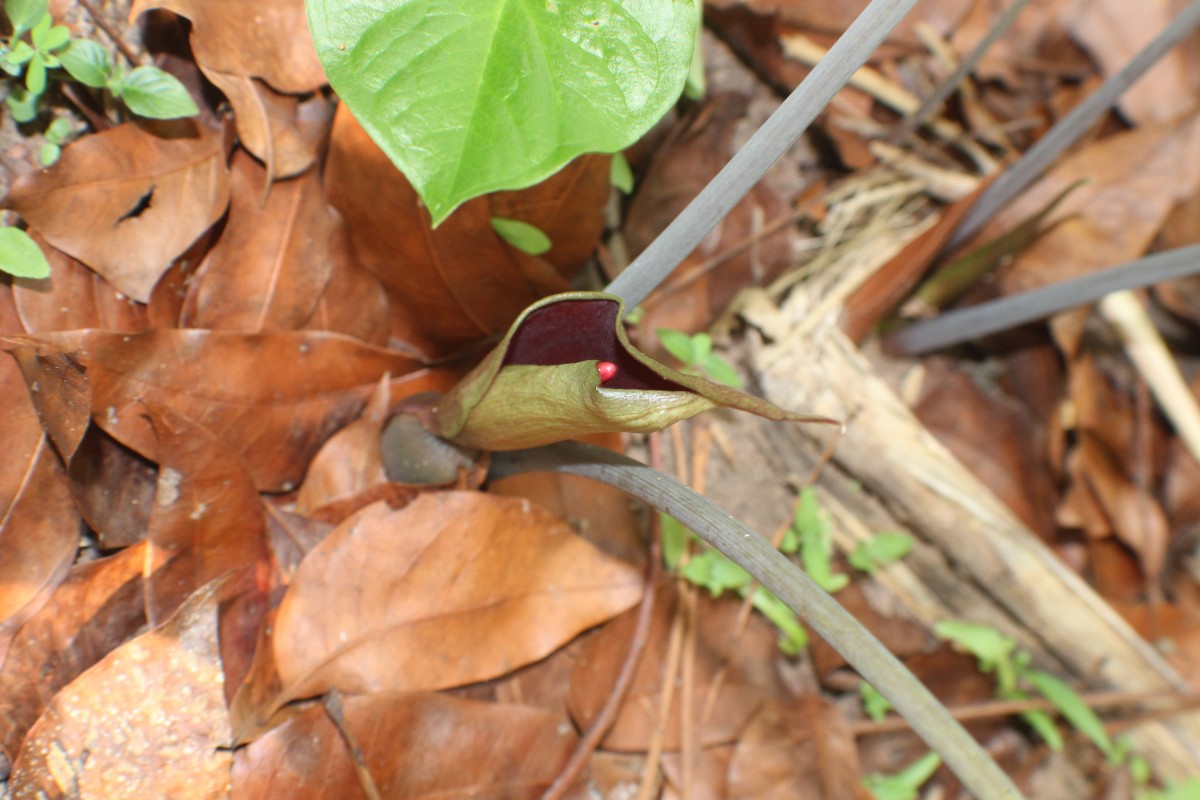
(738, 542)
(113, 34)
(767, 144)
(947, 87)
(337, 715)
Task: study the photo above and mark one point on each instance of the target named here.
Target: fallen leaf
(95, 609)
(454, 285)
(354, 302)
(455, 588)
(351, 460)
(207, 523)
(289, 389)
(266, 124)
(721, 706)
(59, 392)
(74, 297)
(414, 746)
(268, 39)
(127, 201)
(272, 262)
(148, 720)
(39, 526)
(801, 748)
(113, 488)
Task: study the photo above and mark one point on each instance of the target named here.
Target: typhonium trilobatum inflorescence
(566, 369)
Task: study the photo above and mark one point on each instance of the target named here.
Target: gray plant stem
(1068, 130)
(763, 149)
(955, 327)
(932, 722)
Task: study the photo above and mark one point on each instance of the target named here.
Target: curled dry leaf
(453, 285)
(272, 262)
(127, 201)
(455, 588)
(39, 526)
(802, 748)
(414, 746)
(268, 39)
(566, 369)
(98, 607)
(148, 720)
(290, 389)
(266, 123)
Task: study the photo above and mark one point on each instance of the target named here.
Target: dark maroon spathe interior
(570, 331)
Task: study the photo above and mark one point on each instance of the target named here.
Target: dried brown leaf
(350, 461)
(98, 607)
(415, 746)
(266, 124)
(126, 201)
(268, 39)
(148, 720)
(113, 488)
(272, 262)
(450, 286)
(801, 748)
(455, 588)
(286, 389)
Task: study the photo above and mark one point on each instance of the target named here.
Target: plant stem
(1068, 130)
(769, 142)
(928, 717)
(955, 327)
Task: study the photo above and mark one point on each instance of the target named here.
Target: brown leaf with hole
(96, 608)
(272, 262)
(415, 746)
(453, 285)
(148, 720)
(126, 201)
(746, 664)
(801, 748)
(268, 39)
(266, 124)
(39, 526)
(455, 588)
(289, 389)
(73, 297)
(113, 488)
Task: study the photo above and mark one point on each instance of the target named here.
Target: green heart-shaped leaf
(473, 97)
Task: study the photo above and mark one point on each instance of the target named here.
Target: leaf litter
(201, 541)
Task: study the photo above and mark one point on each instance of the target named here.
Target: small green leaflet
(522, 235)
(620, 173)
(150, 92)
(880, 550)
(20, 256)
(905, 784)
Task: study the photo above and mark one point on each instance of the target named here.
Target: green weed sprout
(695, 352)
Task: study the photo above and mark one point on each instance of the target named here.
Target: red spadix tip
(607, 370)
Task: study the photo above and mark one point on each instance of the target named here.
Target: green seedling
(880, 550)
(810, 535)
(997, 653)
(57, 134)
(20, 256)
(697, 355)
(620, 174)
(521, 235)
(905, 784)
(146, 91)
(874, 704)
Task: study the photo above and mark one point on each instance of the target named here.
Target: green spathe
(541, 384)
